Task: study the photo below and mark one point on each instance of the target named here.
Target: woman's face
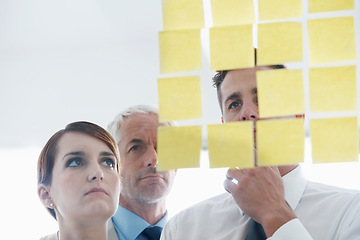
(85, 182)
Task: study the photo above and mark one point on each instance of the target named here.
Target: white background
(70, 60)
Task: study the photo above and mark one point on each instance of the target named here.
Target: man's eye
(109, 162)
(134, 148)
(234, 105)
(74, 162)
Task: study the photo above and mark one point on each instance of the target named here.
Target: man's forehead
(245, 75)
(248, 71)
(139, 117)
(147, 120)
(140, 126)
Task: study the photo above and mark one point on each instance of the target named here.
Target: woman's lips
(96, 191)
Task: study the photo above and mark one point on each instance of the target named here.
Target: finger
(275, 169)
(241, 169)
(229, 185)
(229, 174)
(235, 173)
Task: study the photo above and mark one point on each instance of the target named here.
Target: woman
(78, 180)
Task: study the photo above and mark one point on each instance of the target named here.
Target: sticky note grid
(321, 44)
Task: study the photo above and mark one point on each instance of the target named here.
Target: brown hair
(220, 76)
(47, 156)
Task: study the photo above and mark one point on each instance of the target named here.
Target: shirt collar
(130, 225)
(294, 185)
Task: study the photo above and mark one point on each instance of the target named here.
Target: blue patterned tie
(151, 233)
(256, 232)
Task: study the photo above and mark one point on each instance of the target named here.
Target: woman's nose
(96, 173)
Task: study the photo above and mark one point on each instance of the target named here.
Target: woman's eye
(109, 162)
(74, 162)
(234, 105)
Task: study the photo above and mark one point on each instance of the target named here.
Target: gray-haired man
(142, 211)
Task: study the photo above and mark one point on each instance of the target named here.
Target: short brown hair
(47, 156)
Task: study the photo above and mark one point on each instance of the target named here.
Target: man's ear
(44, 195)
(222, 119)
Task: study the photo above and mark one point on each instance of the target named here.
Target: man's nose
(249, 112)
(151, 160)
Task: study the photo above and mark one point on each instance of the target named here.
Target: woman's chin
(99, 210)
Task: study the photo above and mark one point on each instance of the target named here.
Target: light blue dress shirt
(128, 225)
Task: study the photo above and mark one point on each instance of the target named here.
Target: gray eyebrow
(136, 140)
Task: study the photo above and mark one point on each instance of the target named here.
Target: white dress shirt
(323, 213)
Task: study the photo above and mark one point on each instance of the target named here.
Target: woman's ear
(44, 195)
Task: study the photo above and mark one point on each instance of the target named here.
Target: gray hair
(114, 127)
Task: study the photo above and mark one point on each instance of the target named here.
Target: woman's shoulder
(50, 237)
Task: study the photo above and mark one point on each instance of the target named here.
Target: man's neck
(151, 213)
(286, 169)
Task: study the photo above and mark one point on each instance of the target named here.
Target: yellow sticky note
(280, 92)
(182, 14)
(232, 12)
(280, 142)
(231, 145)
(330, 5)
(331, 40)
(180, 51)
(333, 89)
(179, 98)
(277, 9)
(334, 140)
(231, 47)
(279, 43)
(178, 147)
